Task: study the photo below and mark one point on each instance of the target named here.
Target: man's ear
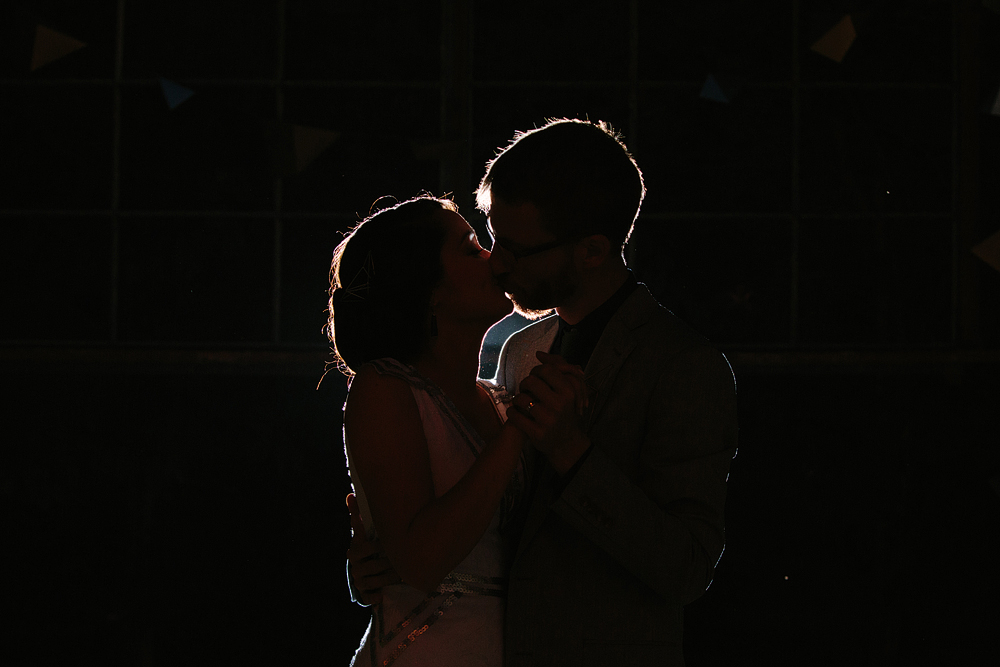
(596, 250)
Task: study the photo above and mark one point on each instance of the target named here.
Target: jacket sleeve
(659, 511)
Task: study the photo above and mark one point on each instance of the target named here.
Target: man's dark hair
(381, 280)
(578, 173)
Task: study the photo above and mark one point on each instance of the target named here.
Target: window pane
(729, 279)
(739, 41)
(193, 38)
(387, 144)
(196, 280)
(897, 41)
(883, 150)
(56, 147)
(526, 40)
(213, 151)
(58, 273)
(702, 155)
(93, 24)
(357, 41)
(307, 250)
(885, 282)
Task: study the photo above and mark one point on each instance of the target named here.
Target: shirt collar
(600, 316)
(592, 326)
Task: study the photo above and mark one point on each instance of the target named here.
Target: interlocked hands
(549, 408)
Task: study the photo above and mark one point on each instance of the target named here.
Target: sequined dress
(462, 622)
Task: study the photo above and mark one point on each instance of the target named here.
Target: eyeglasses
(518, 255)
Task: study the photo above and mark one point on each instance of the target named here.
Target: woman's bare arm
(423, 536)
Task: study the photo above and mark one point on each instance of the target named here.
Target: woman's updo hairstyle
(381, 280)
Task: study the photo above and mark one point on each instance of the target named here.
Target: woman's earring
(434, 325)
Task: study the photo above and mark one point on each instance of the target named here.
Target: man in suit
(625, 520)
(624, 517)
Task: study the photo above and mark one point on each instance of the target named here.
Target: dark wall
(173, 479)
(198, 519)
(861, 523)
(176, 519)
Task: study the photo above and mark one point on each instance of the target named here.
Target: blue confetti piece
(174, 93)
(713, 91)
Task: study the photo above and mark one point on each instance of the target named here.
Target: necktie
(573, 347)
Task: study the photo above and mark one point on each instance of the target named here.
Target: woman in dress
(435, 467)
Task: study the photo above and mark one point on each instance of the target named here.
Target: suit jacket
(606, 561)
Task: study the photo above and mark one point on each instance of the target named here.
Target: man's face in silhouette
(531, 264)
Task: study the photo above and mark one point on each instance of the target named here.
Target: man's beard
(541, 302)
(529, 313)
(542, 295)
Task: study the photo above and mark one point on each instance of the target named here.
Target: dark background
(172, 478)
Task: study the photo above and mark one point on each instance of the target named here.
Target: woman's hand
(367, 565)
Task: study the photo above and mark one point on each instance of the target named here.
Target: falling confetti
(836, 42)
(51, 45)
(174, 93)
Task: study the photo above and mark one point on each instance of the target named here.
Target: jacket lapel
(616, 343)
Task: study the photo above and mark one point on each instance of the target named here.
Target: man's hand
(548, 411)
(369, 569)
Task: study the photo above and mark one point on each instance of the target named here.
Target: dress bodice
(462, 621)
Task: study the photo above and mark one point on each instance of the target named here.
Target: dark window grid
(631, 86)
(649, 84)
(115, 296)
(957, 302)
(796, 130)
(645, 84)
(807, 219)
(338, 221)
(797, 215)
(278, 86)
(279, 107)
(200, 81)
(796, 85)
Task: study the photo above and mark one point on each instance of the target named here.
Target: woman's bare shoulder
(378, 398)
(369, 381)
